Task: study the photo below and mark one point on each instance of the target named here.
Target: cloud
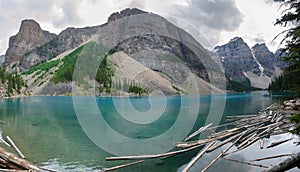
(55, 15)
(138, 3)
(69, 14)
(215, 14)
(211, 17)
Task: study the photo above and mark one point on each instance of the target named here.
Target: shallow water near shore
(48, 132)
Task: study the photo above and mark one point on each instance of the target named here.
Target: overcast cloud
(218, 15)
(216, 20)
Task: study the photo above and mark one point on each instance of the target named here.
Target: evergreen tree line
(11, 81)
(290, 79)
(127, 86)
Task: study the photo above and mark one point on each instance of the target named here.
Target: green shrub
(46, 66)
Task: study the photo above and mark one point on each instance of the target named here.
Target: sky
(211, 22)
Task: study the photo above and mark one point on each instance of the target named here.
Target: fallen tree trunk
(198, 132)
(151, 156)
(15, 147)
(272, 157)
(222, 154)
(278, 143)
(121, 166)
(10, 157)
(247, 163)
(191, 163)
(285, 165)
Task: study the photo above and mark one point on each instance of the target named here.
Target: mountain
(255, 66)
(137, 53)
(69, 39)
(29, 37)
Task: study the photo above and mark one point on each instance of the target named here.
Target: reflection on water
(47, 131)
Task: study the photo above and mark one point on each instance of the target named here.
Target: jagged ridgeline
(134, 52)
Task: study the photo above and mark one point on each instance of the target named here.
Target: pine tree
(291, 16)
(291, 75)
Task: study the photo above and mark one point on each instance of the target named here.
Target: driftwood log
(285, 165)
(18, 163)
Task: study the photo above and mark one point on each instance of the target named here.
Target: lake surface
(68, 135)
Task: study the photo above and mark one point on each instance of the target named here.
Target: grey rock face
(29, 36)
(124, 13)
(57, 89)
(159, 52)
(66, 40)
(236, 57)
(265, 57)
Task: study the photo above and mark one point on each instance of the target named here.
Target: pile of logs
(241, 132)
(13, 162)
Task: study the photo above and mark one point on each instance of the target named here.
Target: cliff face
(236, 57)
(30, 35)
(69, 39)
(124, 13)
(257, 64)
(66, 40)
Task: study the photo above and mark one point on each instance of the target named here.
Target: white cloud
(219, 20)
(258, 24)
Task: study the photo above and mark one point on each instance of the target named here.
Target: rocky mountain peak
(237, 40)
(30, 36)
(261, 47)
(124, 13)
(257, 64)
(235, 48)
(29, 24)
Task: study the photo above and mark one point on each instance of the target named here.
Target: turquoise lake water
(51, 132)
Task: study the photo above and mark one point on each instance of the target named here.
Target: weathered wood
(221, 133)
(121, 166)
(10, 170)
(247, 163)
(9, 165)
(225, 151)
(247, 141)
(197, 132)
(274, 117)
(285, 165)
(261, 143)
(191, 163)
(3, 141)
(272, 157)
(203, 142)
(151, 156)
(15, 147)
(47, 169)
(16, 160)
(278, 143)
(243, 116)
(216, 146)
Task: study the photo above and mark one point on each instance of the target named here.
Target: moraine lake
(50, 133)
